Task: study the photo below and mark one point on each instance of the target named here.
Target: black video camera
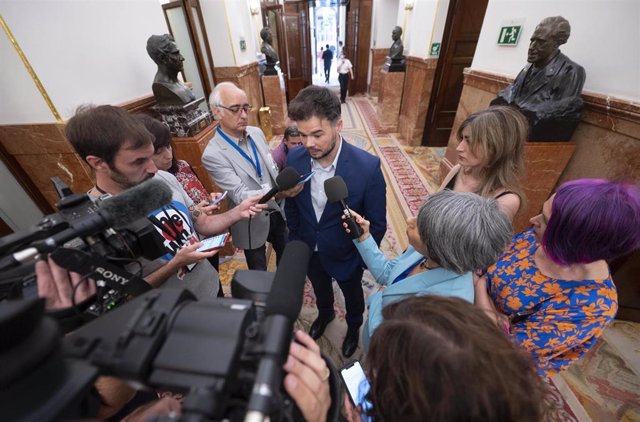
(225, 354)
(95, 238)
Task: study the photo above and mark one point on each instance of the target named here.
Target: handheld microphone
(287, 179)
(117, 212)
(282, 309)
(336, 190)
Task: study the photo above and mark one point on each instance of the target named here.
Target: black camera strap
(96, 267)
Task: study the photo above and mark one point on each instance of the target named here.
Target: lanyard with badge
(255, 164)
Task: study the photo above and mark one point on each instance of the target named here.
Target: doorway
(461, 32)
(327, 21)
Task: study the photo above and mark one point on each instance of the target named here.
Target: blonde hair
(501, 132)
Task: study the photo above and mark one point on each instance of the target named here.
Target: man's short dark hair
(315, 101)
(103, 130)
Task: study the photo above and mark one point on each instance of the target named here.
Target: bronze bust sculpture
(548, 89)
(395, 60)
(167, 89)
(397, 48)
(267, 49)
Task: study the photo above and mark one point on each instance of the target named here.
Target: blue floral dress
(555, 321)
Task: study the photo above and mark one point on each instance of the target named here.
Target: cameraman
(119, 150)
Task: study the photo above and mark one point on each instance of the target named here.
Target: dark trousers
(257, 258)
(343, 78)
(327, 68)
(323, 289)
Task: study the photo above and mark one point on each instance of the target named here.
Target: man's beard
(330, 150)
(122, 180)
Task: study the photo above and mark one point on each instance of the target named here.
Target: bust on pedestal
(548, 90)
(395, 60)
(270, 54)
(176, 103)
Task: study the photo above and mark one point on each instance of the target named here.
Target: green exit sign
(435, 49)
(509, 35)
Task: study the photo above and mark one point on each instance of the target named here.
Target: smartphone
(215, 242)
(305, 177)
(218, 198)
(358, 386)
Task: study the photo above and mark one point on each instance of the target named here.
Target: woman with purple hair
(552, 291)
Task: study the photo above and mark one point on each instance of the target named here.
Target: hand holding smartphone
(358, 387)
(215, 242)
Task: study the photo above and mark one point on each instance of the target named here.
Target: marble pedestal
(389, 99)
(275, 98)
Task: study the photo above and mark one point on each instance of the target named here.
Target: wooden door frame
(439, 73)
(191, 24)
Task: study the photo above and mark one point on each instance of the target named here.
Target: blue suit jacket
(367, 196)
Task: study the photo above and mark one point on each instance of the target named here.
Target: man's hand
(55, 285)
(250, 207)
(290, 193)
(188, 255)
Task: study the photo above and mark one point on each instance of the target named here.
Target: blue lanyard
(255, 164)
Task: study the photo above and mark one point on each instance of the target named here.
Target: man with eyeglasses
(238, 161)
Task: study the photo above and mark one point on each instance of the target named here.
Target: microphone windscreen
(287, 178)
(288, 283)
(136, 202)
(335, 189)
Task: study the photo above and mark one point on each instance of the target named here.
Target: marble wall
(41, 151)
(377, 61)
(415, 101)
(246, 77)
(607, 142)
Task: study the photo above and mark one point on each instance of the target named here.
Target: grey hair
(463, 231)
(214, 97)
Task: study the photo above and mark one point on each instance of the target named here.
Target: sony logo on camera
(108, 275)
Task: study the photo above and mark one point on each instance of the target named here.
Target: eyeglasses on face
(236, 108)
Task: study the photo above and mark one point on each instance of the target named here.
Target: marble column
(389, 99)
(275, 98)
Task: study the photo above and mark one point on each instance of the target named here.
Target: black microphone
(282, 309)
(336, 191)
(117, 211)
(287, 179)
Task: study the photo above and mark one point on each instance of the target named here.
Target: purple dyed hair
(593, 219)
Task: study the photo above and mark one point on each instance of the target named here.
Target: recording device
(358, 387)
(104, 235)
(215, 242)
(287, 179)
(283, 307)
(336, 190)
(219, 352)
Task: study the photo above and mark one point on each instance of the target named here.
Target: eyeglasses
(236, 109)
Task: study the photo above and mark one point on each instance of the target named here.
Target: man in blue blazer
(316, 112)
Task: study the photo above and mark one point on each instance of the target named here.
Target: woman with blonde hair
(490, 157)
